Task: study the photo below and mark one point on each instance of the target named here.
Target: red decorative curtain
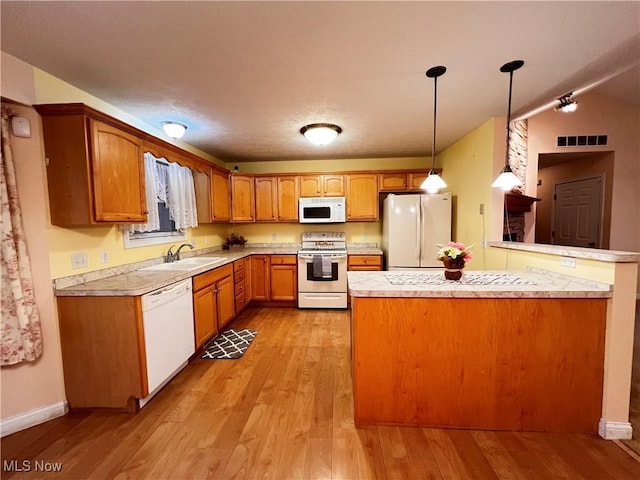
(20, 322)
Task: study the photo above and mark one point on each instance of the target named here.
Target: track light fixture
(567, 103)
(507, 179)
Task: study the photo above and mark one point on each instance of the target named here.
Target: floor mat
(231, 344)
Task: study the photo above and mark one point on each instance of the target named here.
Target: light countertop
(129, 280)
(474, 284)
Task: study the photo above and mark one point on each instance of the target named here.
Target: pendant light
(507, 179)
(433, 183)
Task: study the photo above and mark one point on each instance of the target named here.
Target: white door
(402, 230)
(578, 213)
(436, 227)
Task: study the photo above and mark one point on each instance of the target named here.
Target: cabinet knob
(145, 212)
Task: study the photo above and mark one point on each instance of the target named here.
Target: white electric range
(322, 270)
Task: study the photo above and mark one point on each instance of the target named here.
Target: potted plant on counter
(454, 255)
(234, 241)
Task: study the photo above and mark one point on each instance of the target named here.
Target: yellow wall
(63, 242)
(342, 165)
(468, 166)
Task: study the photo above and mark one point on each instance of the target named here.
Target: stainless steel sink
(192, 263)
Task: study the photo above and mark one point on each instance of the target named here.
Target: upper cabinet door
(322, 185)
(220, 196)
(266, 199)
(362, 197)
(117, 175)
(288, 195)
(333, 185)
(242, 194)
(392, 182)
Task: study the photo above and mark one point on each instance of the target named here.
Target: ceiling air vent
(582, 140)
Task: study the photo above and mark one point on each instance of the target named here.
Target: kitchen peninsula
(525, 350)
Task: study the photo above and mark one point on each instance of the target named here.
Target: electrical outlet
(79, 260)
(206, 241)
(104, 256)
(365, 236)
(274, 236)
(568, 262)
(482, 209)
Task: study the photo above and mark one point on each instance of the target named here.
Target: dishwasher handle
(166, 294)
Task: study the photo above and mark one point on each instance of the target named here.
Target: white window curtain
(20, 321)
(181, 197)
(172, 185)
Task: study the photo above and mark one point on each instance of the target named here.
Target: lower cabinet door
(205, 313)
(226, 301)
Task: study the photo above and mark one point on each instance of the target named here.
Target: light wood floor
(284, 411)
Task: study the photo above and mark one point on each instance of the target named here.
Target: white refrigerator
(412, 228)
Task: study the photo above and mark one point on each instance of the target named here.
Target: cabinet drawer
(212, 276)
(365, 261)
(239, 287)
(238, 276)
(240, 301)
(284, 259)
(238, 265)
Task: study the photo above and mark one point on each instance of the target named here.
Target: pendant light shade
(433, 183)
(507, 179)
(321, 133)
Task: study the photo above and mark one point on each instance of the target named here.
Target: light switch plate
(568, 262)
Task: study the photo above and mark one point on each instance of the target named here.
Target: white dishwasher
(167, 317)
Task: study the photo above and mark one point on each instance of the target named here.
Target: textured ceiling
(246, 76)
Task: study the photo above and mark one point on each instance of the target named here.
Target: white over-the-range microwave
(322, 210)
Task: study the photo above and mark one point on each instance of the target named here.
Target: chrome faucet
(190, 245)
(171, 257)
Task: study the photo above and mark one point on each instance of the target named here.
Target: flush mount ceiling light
(567, 104)
(507, 179)
(321, 133)
(433, 183)
(174, 130)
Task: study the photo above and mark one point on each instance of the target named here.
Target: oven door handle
(310, 257)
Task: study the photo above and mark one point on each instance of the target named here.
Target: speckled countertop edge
(375, 284)
(613, 256)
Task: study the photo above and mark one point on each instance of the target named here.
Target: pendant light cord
(506, 158)
(433, 143)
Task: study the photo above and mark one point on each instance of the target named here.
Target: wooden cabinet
(284, 278)
(364, 262)
(288, 195)
(213, 302)
(392, 182)
(221, 196)
(266, 191)
(242, 198)
(205, 315)
(362, 197)
(239, 280)
(322, 185)
(277, 198)
(103, 351)
(260, 277)
(247, 279)
(402, 181)
(212, 196)
(95, 170)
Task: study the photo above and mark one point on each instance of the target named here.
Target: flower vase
(453, 268)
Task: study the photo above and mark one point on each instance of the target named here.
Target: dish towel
(317, 266)
(326, 267)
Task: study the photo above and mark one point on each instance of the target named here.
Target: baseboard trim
(615, 430)
(33, 417)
